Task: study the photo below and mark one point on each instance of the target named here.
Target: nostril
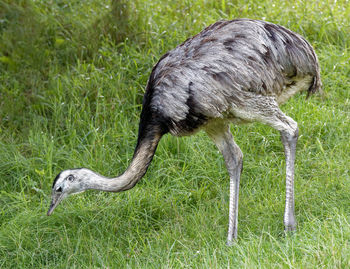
(59, 189)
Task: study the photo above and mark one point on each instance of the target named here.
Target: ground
(72, 77)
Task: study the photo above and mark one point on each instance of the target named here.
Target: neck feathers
(143, 155)
(151, 130)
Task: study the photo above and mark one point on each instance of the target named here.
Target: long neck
(143, 155)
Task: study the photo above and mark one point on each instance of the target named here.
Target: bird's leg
(234, 162)
(266, 110)
(289, 142)
(289, 135)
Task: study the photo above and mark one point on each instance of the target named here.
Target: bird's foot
(290, 223)
(229, 243)
(290, 228)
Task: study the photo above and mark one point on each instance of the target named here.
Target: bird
(232, 72)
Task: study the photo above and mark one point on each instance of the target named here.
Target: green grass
(72, 77)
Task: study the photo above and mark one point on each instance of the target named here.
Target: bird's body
(233, 71)
(224, 70)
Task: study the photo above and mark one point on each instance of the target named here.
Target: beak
(56, 199)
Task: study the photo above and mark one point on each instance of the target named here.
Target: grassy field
(72, 77)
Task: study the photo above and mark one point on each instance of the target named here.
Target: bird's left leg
(270, 114)
(233, 157)
(265, 109)
(289, 141)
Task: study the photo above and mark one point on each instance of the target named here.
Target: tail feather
(316, 84)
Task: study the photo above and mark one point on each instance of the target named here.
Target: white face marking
(68, 182)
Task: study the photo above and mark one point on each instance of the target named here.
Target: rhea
(236, 71)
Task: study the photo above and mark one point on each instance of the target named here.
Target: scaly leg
(289, 143)
(289, 135)
(265, 110)
(233, 156)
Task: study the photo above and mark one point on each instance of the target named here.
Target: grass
(72, 77)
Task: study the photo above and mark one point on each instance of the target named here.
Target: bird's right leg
(266, 110)
(289, 135)
(233, 157)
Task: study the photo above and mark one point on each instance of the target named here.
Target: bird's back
(208, 74)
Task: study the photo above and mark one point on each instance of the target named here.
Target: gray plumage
(228, 65)
(232, 72)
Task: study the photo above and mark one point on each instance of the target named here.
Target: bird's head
(68, 182)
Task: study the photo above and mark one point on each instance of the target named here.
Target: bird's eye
(70, 178)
